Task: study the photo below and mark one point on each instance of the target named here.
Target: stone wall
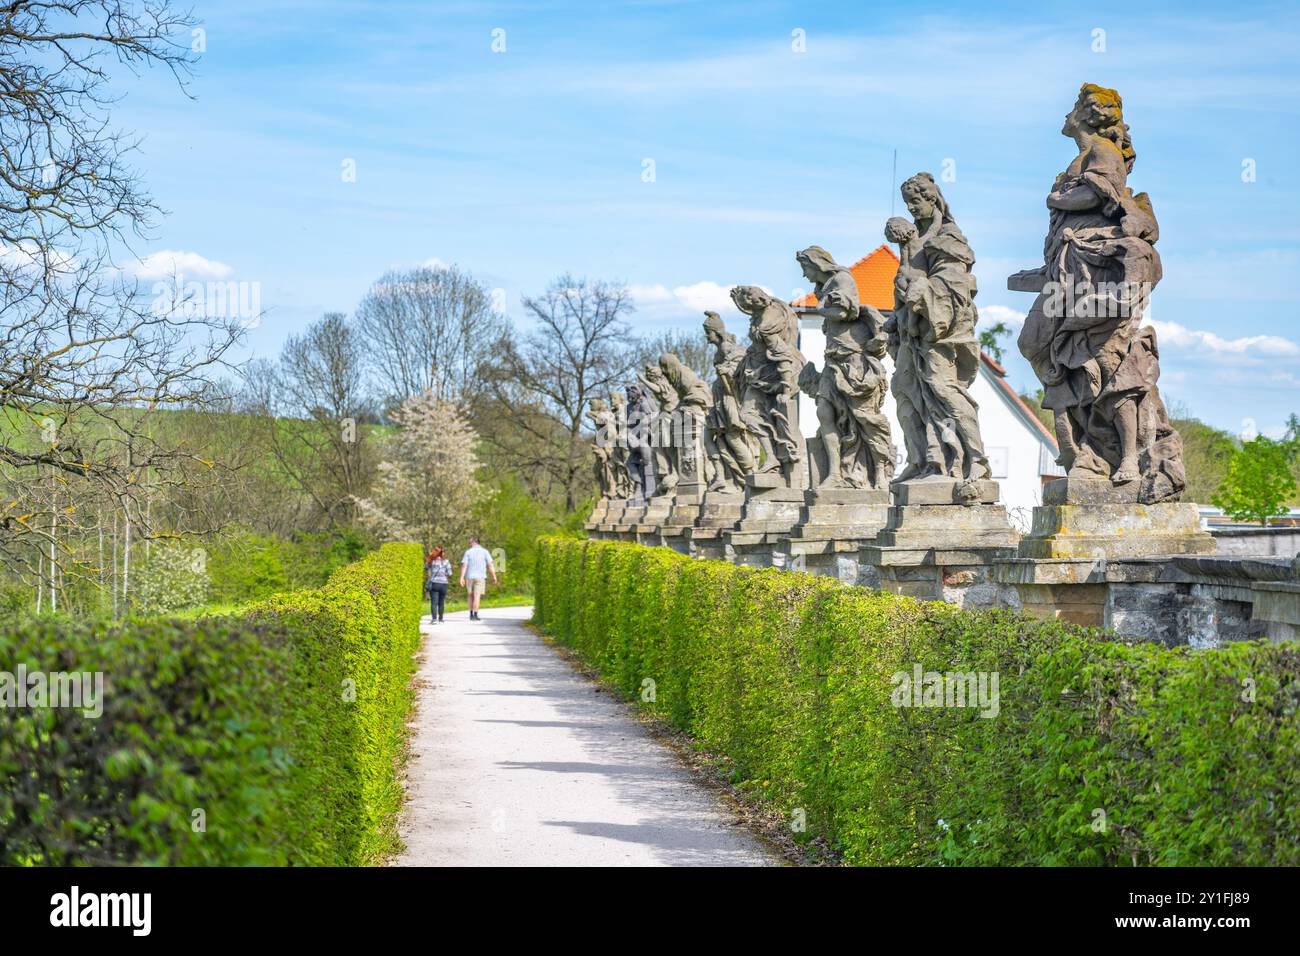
(1257, 542)
(1196, 600)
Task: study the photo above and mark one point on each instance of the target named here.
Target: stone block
(706, 544)
(719, 510)
(1277, 609)
(1115, 531)
(1169, 613)
(1089, 491)
(943, 535)
(945, 491)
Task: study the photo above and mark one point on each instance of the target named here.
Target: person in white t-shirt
(475, 565)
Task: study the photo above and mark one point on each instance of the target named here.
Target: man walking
(474, 567)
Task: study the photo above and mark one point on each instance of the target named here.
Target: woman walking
(438, 573)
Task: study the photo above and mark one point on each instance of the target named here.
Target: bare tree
(690, 346)
(86, 361)
(312, 406)
(541, 382)
(428, 329)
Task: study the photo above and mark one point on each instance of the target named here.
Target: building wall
(1015, 451)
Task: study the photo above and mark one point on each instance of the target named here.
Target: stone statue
(642, 415)
(729, 445)
(1083, 336)
(850, 389)
(932, 339)
(622, 481)
(770, 375)
(693, 402)
(665, 454)
(602, 419)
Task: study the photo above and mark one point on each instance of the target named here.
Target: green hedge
(1101, 753)
(271, 737)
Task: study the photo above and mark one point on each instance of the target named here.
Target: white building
(1022, 451)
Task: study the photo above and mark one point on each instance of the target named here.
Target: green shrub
(1101, 752)
(246, 567)
(280, 728)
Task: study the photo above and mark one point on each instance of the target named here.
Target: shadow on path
(529, 764)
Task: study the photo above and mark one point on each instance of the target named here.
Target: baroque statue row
(1083, 338)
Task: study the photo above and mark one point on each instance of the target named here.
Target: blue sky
(524, 164)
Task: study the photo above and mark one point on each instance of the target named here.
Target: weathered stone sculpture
(730, 446)
(850, 503)
(774, 493)
(687, 424)
(641, 415)
(945, 529)
(850, 389)
(770, 374)
(622, 480)
(1099, 365)
(1083, 336)
(665, 399)
(602, 420)
(932, 337)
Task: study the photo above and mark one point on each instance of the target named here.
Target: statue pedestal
(598, 513)
(834, 524)
(770, 512)
(647, 527)
(937, 548)
(624, 529)
(598, 518)
(683, 516)
(1083, 534)
(1092, 518)
(719, 512)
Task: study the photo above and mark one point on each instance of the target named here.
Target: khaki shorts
(476, 586)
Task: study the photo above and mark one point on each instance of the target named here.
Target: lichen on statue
(770, 376)
(932, 338)
(1083, 335)
(850, 388)
(730, 446)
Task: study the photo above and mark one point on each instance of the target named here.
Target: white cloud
(168, 263)
(993, 314)
(695, 298)
(433, 263)
(1173, 335)
(27, 254)
(1177, 337)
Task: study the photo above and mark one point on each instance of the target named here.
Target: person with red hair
(437, 575)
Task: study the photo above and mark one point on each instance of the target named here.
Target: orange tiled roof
(874, 274)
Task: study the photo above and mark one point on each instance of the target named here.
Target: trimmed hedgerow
(270, 737)
(1101, 752)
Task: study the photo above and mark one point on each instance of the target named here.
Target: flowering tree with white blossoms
(427, 490)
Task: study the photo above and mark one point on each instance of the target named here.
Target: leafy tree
(173, 578)
(1258, 481)
(1206, 453)
(246, 567)
(989, 339)
(1035, 403)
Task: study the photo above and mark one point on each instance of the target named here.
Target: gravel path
(516, 760)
